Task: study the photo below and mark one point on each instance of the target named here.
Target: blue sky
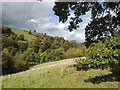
(40, 17)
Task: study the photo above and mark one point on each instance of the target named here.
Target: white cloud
(81, 35)
(40, 17)
(54, 28)
(32, 20)
(61, 26)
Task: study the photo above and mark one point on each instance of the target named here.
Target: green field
(63, 76)
(27, 36)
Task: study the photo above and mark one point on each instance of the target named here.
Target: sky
(39, 16)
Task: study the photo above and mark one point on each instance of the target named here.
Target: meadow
(59, 76)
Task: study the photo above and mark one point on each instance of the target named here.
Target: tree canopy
(105, 17)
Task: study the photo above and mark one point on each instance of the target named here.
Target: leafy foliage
(6, 31)
(29, 32)
(104, 17)
(20, 63)
(22, 46)
(7, 62)
(21, 37)
(12, 64)
(103, 54)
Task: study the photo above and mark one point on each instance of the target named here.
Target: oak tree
(105, 17)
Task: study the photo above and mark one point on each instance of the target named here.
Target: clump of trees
(19, 54)
(12, 52)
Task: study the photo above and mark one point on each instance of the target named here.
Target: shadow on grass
(86, 67)
(104, 78)
(14, 71)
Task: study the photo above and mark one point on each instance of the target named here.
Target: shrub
(54, 46)
(13, 51)
(9, 42)
(78, 53)
(90, 52)
(69, 53)
(29, 32)
(21, 37)
(75, 52)
(20, 63)
(54, 54)
(37, 56)
(107, 54)
(44, 57)
(37, 44)
(7, 31)
(12, 64)
(22, 46)
(13, 37)
(65, 46)
(34, 30)
(32, 56)
(29, 55)
(7, 63)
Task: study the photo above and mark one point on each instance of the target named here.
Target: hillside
(24, 32)
(45, 62)
(22, 49)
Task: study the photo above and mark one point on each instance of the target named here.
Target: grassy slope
(25, 33)
(56, 77)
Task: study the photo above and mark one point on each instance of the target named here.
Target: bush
(20, 63)
(56, 54)
(9, 42)
(7, 31)
(69, 53)
(44, 57)
(91, 51)
(12, 64)
(37, 44)
(13, 37)
(7, 63)
(103, 54)
(37, 56)
(29, 32)
(22, 46)
(75, 52)
(13, 51)
(79, 53)
(29, 55)
(21, 37)
(53, 46)
(34, 30)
